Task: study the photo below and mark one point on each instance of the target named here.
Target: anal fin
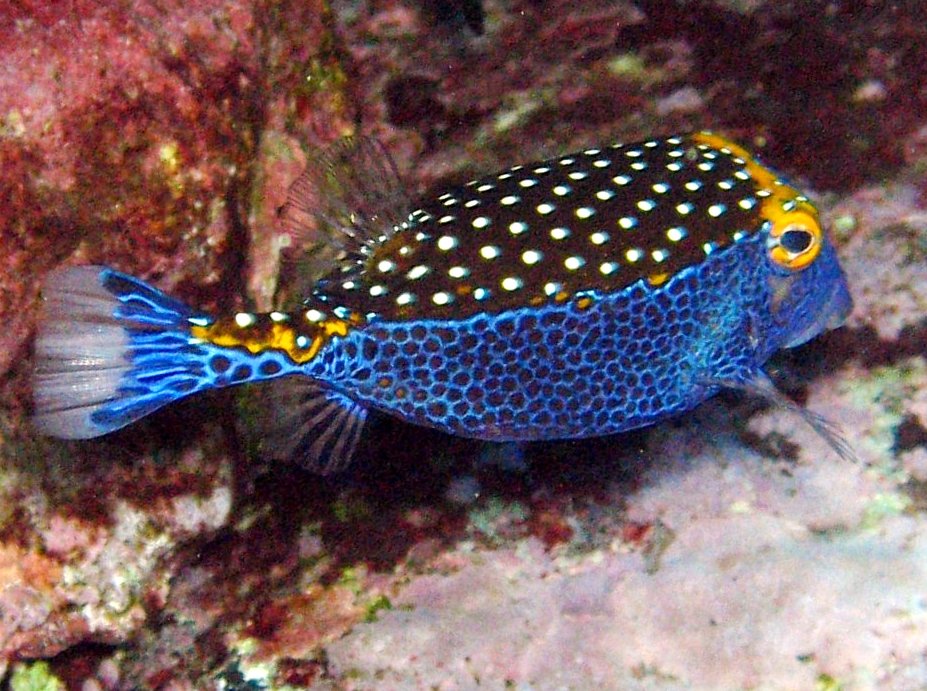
(313, 426)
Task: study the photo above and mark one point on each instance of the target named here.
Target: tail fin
(110, 350)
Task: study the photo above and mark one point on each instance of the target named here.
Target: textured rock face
(730, 549)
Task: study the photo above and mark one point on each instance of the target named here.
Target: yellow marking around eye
(796, 220)
(800, 212)
(274, 336)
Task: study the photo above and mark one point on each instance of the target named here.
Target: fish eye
(795, 240)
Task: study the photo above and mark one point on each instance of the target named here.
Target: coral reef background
(726, 549)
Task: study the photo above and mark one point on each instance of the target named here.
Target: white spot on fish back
(747, 203)
(386, 265)
(659, 255)
(447, 242)
(708, 248)
(447, 219)
(509, 199)
(417, 272)
(627, 222)
(684, 209)
(518, 227)
(706, 166)
(646, 205)
(480, 222)
(608, 268)
(638, 165)
(545, 208)
(661, 188)
(598, 238)
(676, 233)
(602, 163)
(604, 195)
(485, 188)
(314, 316)
(278, 317)
(244, 320)
(528, 182)
(531, 257)
(634, 255)
(442, 298)
(621, 180)
(511, 283)
(726, 184)
(562, 190)
(480, 294)
(578, 175)
(552, 288)
(458, 272)
(585, 212)
(573, 263)
(559, 233)
(490, 251)
(471, 203)
(377, 290)
(693, 185)
(543, 170)
(405, 299)
(567, 161)
(716, 210)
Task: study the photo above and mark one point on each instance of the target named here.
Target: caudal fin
(110, 350)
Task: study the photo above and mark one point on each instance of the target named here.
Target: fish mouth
(832, 315)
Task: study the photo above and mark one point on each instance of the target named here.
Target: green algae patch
(35, 676)
(887, 390)
(883, 505)
(371, 613)
(826, 682)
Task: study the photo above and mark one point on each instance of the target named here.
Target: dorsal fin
(354, 189)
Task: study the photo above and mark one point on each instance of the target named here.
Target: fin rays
(353, 187)
(315, 427)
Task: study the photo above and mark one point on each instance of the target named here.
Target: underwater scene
(463, 344)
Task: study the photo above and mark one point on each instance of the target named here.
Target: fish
(580, 296)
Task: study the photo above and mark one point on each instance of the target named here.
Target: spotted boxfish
(579, 296)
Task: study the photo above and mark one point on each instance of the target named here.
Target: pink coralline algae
(729, 549)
